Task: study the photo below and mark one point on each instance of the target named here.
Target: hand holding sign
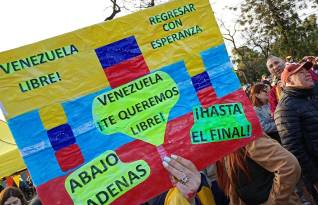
(139, 109)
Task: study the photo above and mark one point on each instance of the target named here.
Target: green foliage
(250, 63)
(274, 27)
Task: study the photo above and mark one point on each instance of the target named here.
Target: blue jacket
(264, 115)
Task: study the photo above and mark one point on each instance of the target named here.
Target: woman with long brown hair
(12, 196)
(259, 98)
(262, 172)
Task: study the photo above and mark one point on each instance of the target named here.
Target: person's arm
(272, 98)
(188, 180)
(268, 123)
(274, 158)
(288, 123)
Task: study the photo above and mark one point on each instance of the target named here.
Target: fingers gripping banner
(94, 111)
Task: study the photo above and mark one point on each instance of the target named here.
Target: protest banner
(94, 111)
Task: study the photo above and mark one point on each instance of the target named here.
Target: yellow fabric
(175, 197)
(74, 82)
(53, 116)
(10, 158)
(16, 179)
(206, 196)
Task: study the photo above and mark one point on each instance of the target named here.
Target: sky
(27, 21)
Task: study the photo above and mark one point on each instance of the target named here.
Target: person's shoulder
(287, 104)
(316, 87)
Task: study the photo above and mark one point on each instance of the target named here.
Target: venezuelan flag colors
(94, 111)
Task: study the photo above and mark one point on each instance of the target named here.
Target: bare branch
(116, 10)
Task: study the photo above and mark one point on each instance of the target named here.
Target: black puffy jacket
(296, 118)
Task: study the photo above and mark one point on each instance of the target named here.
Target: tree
(252, 63)
(131, 6)
(271, 27)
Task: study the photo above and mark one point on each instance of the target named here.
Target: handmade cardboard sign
(94, 111)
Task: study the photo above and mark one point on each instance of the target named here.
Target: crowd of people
(279, 168)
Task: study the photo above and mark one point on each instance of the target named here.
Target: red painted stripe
(176, 138)
(207, 96)
(126, 71)
(69, 157)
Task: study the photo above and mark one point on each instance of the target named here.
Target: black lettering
(104, 165)
(34, 60)
(152, 20)
(132, 176)
(235, 133)
(212, 134)
(15, 65)
(5, 69)
(118, 93)
(24, 63)
(141, 170)
(85, 178)
(103, 100)
(112, 159)
(42, 60)
(119, 184)
(199, 29)
(112, 190)
(48, 57)
(168, 94)
(195, 137)
(204, 113)
(191, 7)
(91, 202)
(111, 97)
(237, 109)
(102, 197)
(143, 126)
(59, 53)
(146, 82)
(52, 78)
(74, 184)
(196, 114)
(73, 49)
(229, 108)
(160, 98)
(65, 52)
(123, 115)
(35, 83)
(95, 170)
(22, 88)
(43, 80)
(214, 111)
(145, 104)
(133, 131)
(132, 90)
(226, 132)
(222, 111)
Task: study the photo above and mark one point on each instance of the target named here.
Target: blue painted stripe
(219, 68)
(118, 51)
(188, 97)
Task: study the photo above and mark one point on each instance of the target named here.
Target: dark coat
(296, 118)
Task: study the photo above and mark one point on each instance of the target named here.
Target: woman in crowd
(262, 172)
(12, 196)
(190, 186)
(259, 98)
